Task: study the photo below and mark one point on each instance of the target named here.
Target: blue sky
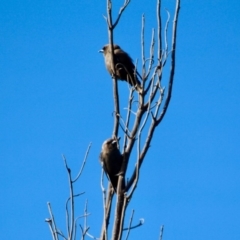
(56, 98)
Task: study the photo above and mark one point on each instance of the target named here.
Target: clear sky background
(56, 98)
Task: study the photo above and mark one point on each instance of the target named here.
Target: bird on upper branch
(124, 67)
(111, 160)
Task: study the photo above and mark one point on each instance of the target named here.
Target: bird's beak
(116, 140)
(100, 51)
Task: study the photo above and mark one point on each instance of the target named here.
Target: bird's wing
(123, 58)
(105, 168)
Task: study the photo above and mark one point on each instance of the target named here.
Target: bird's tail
(133, 80)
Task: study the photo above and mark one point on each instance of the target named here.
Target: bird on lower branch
(111, 160)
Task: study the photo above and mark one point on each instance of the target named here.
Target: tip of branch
(104, 17)
(48, 220)
(141, 221)
(167, 11)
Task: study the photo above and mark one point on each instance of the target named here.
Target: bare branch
(84, 232)
(119, 214)
(172, 70)
(49, 221)
(166, 28)
(143, 54)
(161, 232)
(52, 223)
(84, 162)
(155, 94)
(130, 224)
(91, 236)
(159, 103)
(107, 210)
(135, 175)
(115, 85)
(151, 55)
(61, 234)
(104, 206)
(124, 128)
(130, 100)
(159, 21)
(72, 211)
(116, 100)
(85, 218)
(67, 213)
(141, 222)
(129, 109)
(75, 195)
(120, 13)
(102, 186)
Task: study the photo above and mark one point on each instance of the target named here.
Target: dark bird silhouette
(124, 67)
(111, 160)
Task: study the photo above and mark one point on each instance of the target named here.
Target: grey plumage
(111, 160)
(124, 67)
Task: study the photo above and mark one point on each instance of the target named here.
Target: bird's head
(106, 48)
(110, 144)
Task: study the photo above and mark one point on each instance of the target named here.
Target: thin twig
(102, 185)
(84, 162)
(130, 224)
(132, 112)
(166, 29)
(53, 224)
(124, 128)
(159, 103)
(141, 222)
(66, 207)
(85, 218)
(130, 100)
(91, 236)
(104, 205)
(71, 226)
(151, 54)
(172, 70)
(143, 53)
(49, 221)
(120, 13)
(84, 232)
(61, 234)
(161, 232)
(159, 21)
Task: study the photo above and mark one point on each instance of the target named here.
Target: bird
(111, 160)
(124, 67)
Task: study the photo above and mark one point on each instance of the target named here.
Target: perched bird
(124, 67)
(111, 160)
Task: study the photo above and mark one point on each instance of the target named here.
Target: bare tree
(144, 113)
(148, 112)
(71, 220)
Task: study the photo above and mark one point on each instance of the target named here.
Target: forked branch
(152, 105)
(70, 214)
